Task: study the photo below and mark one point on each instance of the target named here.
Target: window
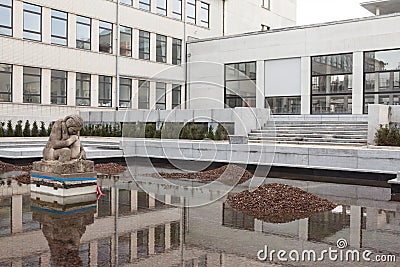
(6, 17)
(5, 83)
(284, 104)
(177, 9)
(144, 94)
(59, 26)
(82, 89)
(32, 22)
(176, 51)
(145, 4)
(161, 89)
(125, 48)
(381, 78)
(162, 7)
(265, 27)
(266, 4)
(240, 84)
(105, 37)
(191, 11)
(176, 96)
(127, 2)
(204, 14)
(144, 45)
(331, 88)
(32, 84)
(105, 91)
(161, 48)
(58, 87)
(83, 34)
(125, 92)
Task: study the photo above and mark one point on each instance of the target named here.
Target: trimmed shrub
(2, 132)
(35, 129)
(43, 131)
(18, 129)
(27, 129)
(210, 133)
(387, 136)
(10, 131)
(49, 128)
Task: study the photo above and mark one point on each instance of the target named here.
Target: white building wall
(375, 33)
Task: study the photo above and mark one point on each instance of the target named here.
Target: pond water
(130, 227)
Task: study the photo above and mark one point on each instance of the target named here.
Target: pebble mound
(279, 203)
(229, 174)
(109, 168)
(23, 178)
(7, 167)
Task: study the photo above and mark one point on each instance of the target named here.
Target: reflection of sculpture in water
(64, 144)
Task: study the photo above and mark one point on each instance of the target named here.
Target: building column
(135, 94)
(135, 43)
(152, 95)
(46, 26)
(258, 225)
(358, 77)
(372, 218)
(16, 214)
(168, 199)
(355, 226)
(17, 17)
(184, 104)
(168, 97)
(305, 85)
(94, 88)
(167, 236)
(303, 229)
(152, 233)
(93, 253)
(114, 195)
(114, 252)
(152, 46)
(71, 89)
(152, 200)
(134, 200)
(46, 87)
(95, 35)
(114, 92)
(169, 46)
(134, 254)
(260, 84)
(17, 84)
(71, 30)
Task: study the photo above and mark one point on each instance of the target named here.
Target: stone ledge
(70, 167)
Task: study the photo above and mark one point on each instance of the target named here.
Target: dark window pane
(125, 87)
(284, 104)
(144, 45)
(82, 89)
(145, 4)
(31, 85)
(161, 89)
(240, 84)
(176, 96)
(58, 87)
(105, 91)
(332, 64)
(125, 41)
(331, 104)
(144, 94)
(161, 48)
(105, 37)
(5, 83)
(176, 51)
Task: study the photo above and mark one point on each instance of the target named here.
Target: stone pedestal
(63, 179)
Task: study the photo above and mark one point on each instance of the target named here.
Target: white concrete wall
(357, 36)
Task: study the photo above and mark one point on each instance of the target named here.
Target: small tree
(35, 129)
(2, 133)
(10, 131)
(210, 133)
(27, 129)
(18, 129)
(49, 128)
(43, 131)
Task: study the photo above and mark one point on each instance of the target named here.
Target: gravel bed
(109, 168)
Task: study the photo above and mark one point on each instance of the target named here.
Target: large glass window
(58, 87)
(32, 84)
(240, 84)
(381, 78)
(191, 11)
(284, 104)
(145, 4)
(5, 83)
(161, 48)
(83, 34)
(176, 96)
(59, 27)
(144, 45)
(32, 22)
(162, 7)
(105, 37)
(177, 9)
(127, 2)
(204, 14)
(332, 80)
(161, 89)
(6, 17)
(176, 51)
(144, 94)
(125, 41)
(105, 91)
(125, 92)
(82, 89)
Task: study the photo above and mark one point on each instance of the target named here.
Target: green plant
(27, 129)
(49, 128)
(35, 129)
(10, 131)
(43, 131)
(210, 133)
(387, 136)
(2, 133)
(18, 129)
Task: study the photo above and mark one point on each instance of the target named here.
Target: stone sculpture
(64, 144)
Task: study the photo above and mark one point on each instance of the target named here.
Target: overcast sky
(316, 11)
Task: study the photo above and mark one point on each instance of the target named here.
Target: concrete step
(319, 131)
(330, 128)
(307, 143)
(320, 135)
(310, 139)
(318, 122)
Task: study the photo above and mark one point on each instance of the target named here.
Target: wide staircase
(350, 133)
